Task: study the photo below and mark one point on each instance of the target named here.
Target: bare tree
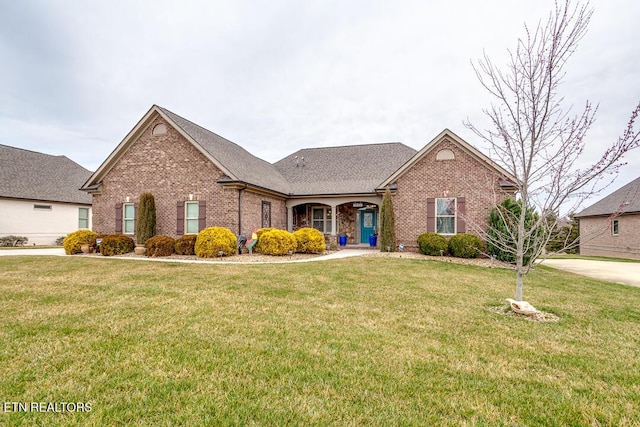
(537, 139)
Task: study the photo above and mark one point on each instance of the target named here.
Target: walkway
(344, 253)
(22, 252)
(627, 273)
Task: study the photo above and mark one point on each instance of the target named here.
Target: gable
(447, 147)
(236, 164)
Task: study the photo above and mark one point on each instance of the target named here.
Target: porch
(356, 218)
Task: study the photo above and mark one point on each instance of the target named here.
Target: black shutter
(118, 217)
(202, 215)
(460, 225)
(431, 214)
(180, 222)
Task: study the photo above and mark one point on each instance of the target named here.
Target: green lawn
(367, 341)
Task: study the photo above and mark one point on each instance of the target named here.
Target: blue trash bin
(343, 240)
(373, 241)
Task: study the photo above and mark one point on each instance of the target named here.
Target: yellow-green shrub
(186, 245)
(277, 242)
(213, 240)
(74, 240)
(116, 244)
(259, 233)
(159, 246)
(310, 241)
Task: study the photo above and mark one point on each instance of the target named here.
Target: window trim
(265, 213)
(187, 218)
(615, 228)
(80, 219)
(131, 219)
(326, 218)
(454, 216)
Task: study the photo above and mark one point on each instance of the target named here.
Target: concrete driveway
(34, 251)
(627, 273)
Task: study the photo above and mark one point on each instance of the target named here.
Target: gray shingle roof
(342, 170)
(623, 200)
(27, 174)
(245, 166)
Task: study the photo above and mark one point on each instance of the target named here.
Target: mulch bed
(540, 316)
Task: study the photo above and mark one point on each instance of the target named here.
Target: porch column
(289, 219)
(333, 220)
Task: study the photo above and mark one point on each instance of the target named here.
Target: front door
(367, 225)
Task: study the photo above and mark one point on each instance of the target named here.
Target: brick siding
(171, 168)
(597, 239)
(465, 176)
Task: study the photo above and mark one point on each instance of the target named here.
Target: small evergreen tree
(146, 224)
(502, 235)
(565, 238)
(387, 224)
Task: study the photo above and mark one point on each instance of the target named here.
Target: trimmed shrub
(387, 224)
(432, 243)
(309, 241)
(116, 244)
(75, 240)
(11, 241)
(259, 233)
(465, 246)
(186, 245)
(277, 242)
(159, 246)
(146, 221)
(213, 240)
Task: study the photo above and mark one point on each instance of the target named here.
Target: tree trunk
(520, 271)
(519, 283)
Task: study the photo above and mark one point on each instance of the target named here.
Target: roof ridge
(354, 145)
(33, 151)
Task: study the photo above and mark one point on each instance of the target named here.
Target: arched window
(445, 155)
(159, 129)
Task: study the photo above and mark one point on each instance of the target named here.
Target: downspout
(240, 190)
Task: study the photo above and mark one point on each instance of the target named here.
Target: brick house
(611, 226)
(200, 179)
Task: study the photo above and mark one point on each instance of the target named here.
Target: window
(42, 207)
(614, 227)
(191, 214)
(322, 219)
(159, 129)
(129, 218)
(446, 216)
(266, 214)
(83, 217)
(445, 155)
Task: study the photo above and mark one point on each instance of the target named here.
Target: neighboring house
(40, 196)
(611, 226)
(200, 179)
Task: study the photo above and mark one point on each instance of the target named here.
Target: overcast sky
(275, 76)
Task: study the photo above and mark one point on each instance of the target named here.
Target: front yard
(363, 341)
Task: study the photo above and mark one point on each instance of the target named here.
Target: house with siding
(611, 226)
(200, 179)
(40, 196)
